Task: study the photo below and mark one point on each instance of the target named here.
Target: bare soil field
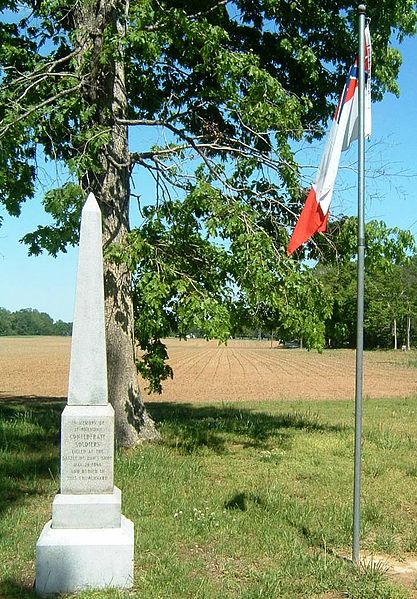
(205, 371)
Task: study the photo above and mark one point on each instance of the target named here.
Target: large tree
(228, 87)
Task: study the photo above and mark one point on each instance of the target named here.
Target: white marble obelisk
(88, 543)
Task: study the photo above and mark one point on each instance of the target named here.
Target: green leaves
(153, 366)
(64, 205)
(205, 264)
(389, 295)
(385, 246)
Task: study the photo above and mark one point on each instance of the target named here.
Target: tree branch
(27, 113)
(24, 77)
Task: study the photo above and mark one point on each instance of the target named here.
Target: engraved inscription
(87, 455)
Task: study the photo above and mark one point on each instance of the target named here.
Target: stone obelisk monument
(88, 543)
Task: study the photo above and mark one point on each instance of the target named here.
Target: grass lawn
(243, 501)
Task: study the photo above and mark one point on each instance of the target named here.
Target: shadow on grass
(190, 427)
(13, 590)
(240, 501)
(29, 442)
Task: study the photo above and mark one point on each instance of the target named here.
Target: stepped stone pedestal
(88, 543)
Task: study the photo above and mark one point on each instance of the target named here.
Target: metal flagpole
(360, 287)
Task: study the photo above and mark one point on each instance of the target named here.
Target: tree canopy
(390, 296)
(208, 98)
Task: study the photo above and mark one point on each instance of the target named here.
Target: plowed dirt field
(205, 371)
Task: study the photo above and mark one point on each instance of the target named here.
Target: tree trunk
(394, 331)
(105, 89)
(408, 333)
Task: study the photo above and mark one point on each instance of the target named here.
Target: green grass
(236, 501)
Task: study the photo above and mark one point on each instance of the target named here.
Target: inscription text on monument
(87, 454)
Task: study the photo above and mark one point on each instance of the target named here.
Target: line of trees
(31, 322)
(390, 315)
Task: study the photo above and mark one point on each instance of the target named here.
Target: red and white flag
(344, 130)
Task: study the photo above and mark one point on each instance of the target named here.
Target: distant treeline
(31, 322)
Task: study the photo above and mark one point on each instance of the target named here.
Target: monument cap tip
(91, 203)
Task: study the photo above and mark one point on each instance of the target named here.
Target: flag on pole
(344, 130)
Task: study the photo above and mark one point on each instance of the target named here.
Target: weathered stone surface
(71, 560)
(88, 366)
(87, 449)
(88, 543)
(87, 511)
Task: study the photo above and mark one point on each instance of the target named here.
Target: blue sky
(48, 284)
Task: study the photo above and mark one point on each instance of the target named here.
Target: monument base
(70, 560)
(87, 511)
